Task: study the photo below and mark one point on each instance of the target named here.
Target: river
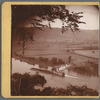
(57, 81)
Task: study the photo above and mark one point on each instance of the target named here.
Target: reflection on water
(57, 81)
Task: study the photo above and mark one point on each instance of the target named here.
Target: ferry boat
(57, 70)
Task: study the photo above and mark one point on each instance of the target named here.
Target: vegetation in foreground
(24, 85)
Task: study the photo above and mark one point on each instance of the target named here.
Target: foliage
(60, 61)
(46, 59)
(69, 91)
(16, 76)
(25, 84)
(77, 91)
(35, 14)
(41, 59)
(54, 61)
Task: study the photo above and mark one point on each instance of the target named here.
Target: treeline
(53, 61)
(43, 62)
(24, 85)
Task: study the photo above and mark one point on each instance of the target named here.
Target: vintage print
(54, 50)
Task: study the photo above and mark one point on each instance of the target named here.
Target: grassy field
(54, 49)
(88, 53)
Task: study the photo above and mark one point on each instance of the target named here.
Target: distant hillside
(55, 34)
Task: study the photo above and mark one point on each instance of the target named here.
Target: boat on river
(57, 70)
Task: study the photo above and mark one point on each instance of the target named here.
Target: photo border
(6, 46)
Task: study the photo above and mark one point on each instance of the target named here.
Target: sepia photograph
(54, 50)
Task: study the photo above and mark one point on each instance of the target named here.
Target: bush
(24, 84)
(33, 58)
(54, 61)
(69, 91)
(60, 61)
(46, 59)
(41, 59)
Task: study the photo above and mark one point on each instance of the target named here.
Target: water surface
(57, 81)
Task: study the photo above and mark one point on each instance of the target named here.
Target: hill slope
(55, 34)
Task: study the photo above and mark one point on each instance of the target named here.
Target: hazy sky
(90, 16)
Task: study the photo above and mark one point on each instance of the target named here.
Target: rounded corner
(3, 95)
(4, 3)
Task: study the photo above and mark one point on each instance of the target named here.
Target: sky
(90, 16)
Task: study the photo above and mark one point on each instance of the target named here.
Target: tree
(22, 14)
(46, 59)
(60, 61)
(41, 59)
(54, 61)
(24, 84)
(28, 83)
(47, 91)
(69, 59)
(15, 83)
(35, 14)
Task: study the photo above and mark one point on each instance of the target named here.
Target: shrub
(54, 61)
(60, 61)
(46, 59)
(41, 59)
